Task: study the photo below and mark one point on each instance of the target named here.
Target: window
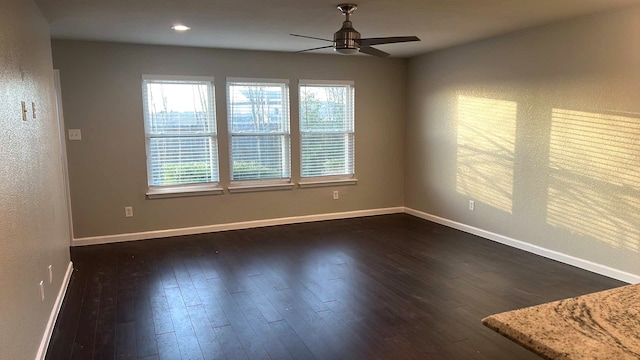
(258, 114)
(180, 130)
(327, 130)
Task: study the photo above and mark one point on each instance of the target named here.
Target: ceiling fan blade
(310, 37)
(318, 48)
(387, 40)
(373, 51)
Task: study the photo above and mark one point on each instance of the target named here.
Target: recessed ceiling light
(180, 27)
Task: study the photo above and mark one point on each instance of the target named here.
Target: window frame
(250, 185)
(181, 190)
(328, 180)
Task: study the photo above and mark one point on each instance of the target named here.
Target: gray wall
(539, 127)
(101, 89)
(34, 230)
(542, 129)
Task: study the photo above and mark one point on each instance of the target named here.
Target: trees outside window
(180, 131)
(327, 132)
(258, 115)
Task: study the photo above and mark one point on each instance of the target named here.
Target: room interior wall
(102, 96)
(541, 128)
(34, 229)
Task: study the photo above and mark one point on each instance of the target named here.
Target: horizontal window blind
(180, 130)
(258, 115)
(327, 139)
(327, 154)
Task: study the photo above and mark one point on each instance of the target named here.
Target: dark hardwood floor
(384, 287)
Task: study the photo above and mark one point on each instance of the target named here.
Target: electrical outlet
(128, 211)
(75, 134)
(472, 205)
(336, 195)
(41, 291)
(50, 274)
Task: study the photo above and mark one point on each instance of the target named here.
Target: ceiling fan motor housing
(347, 39)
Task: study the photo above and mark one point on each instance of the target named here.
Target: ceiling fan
(347, 40)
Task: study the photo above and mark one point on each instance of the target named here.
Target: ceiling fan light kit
(347, 40)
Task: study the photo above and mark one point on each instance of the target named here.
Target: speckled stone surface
(602, 325)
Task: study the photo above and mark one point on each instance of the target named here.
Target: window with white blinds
(258, 119)
(327, 129)
(180, 129)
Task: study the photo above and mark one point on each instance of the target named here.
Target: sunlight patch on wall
(486, 146)
(594, 182)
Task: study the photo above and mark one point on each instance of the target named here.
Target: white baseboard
(48, 331)
(551, 254)
(231, 226)
(538, 250)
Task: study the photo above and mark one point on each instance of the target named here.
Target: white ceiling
(266, 25)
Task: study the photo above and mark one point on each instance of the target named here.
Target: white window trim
(257, 80)
(326, 82)
(177, 78)
(238, 186)
(163, 192)
(341, 180)
(200, 189)
(329, 180)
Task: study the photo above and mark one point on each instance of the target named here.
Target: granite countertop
(602, 325)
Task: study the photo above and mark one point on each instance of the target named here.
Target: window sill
(184, 191)
(321, 183)
(260, 187)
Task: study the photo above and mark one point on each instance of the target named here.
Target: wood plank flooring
(383, 287)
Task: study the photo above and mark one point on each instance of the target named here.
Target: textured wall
(34, 230)
(101, 87)
(542, 129)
